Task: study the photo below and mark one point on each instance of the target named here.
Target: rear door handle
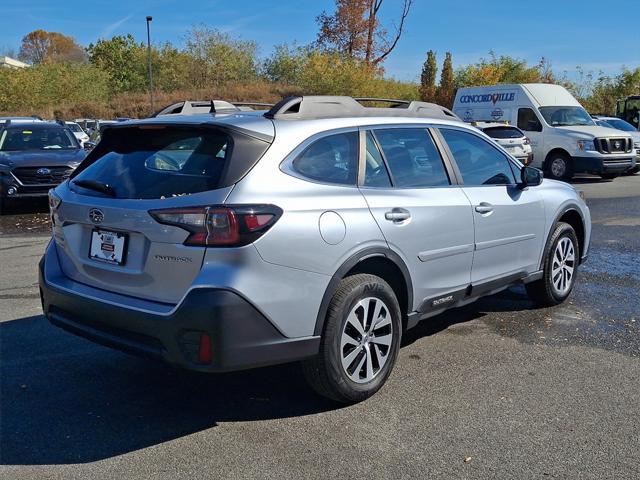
(397, 215)
(484, 207)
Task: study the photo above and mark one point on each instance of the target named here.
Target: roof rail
(193, 107)
(325, 106)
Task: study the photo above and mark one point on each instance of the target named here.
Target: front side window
(528, 121)
(331, 159)
(29, 138)
(479, 162)
(412, 157)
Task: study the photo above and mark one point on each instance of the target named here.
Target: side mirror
(530, 177)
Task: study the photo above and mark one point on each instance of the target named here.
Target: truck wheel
(560, 167)
(561, 260)
(360, 341)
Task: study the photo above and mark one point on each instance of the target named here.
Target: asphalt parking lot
(498, 389)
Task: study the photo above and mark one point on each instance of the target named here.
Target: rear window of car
(503, 132)
(160, 162)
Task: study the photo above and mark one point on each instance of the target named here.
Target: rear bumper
(601, 165)
(241, 337)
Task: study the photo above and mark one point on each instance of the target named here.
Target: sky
(566, 32)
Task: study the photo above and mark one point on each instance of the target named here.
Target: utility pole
(149, 18)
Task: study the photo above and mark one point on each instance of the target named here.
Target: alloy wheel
(366, 340)
(563, 266)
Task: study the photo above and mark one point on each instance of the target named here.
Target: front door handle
(397, 215)
(484, 207)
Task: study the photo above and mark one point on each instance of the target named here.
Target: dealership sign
(489, 98)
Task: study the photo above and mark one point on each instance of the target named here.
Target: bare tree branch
(405, 12)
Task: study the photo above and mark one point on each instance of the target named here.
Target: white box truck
(564, 138)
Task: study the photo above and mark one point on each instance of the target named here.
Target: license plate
(109, 247)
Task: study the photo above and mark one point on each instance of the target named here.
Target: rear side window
(503, 132)
(412, 157)
(480, 163)
(528, 121)
(331, 159)
(160, 162)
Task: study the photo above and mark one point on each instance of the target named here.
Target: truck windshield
(566, 116)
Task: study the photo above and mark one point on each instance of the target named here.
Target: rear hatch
(509, 138)
(106, 236)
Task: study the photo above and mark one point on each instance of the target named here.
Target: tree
(123, 60)
(285, 64)
(39, 46)
(503, 69)
(217, 58)
(446, 89)
(428, 78)
(355, 29)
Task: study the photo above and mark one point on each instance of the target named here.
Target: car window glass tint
(412, 157)
(375, 173)
(331, 159)
(480, 163)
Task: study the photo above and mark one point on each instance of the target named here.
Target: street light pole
(149, 18)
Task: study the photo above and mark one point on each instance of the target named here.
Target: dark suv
(34, 157)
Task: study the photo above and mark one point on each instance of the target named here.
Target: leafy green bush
(49, 86)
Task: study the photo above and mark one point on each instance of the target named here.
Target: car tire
(559, 167)
(561, 260)
(356, 356)
(609, 176)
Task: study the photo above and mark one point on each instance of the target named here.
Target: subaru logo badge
(41, 172)
(96, 215)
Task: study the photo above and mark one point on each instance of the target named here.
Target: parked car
(78, 132)
(564, 138)
(35, 157)
(318, 231)
(512, 139)
(619, 124)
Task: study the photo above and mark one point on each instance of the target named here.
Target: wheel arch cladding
(381, 262)
(573, 218)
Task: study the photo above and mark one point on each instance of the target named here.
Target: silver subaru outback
(318, 231)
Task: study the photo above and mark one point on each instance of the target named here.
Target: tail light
(527, 141)
(220, 226)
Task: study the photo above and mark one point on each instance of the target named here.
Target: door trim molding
(504, 241)
(445, 252)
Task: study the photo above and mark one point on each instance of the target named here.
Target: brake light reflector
(220, 225)
(205, 355)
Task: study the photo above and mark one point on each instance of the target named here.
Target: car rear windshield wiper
(97, 186)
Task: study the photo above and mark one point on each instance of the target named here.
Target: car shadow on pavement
(65, 400)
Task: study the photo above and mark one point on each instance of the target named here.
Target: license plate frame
(116, 244)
